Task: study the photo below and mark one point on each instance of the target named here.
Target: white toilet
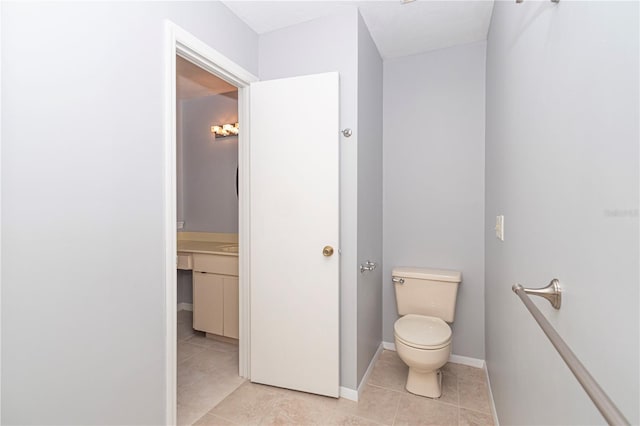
(426, 298)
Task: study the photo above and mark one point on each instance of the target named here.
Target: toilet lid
(422, 332)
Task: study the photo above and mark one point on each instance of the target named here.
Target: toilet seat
(422, 332)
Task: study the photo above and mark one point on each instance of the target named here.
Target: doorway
(207, 238)
(181, 44)
(289, 203)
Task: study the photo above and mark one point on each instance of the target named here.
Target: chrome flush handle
(397, 280)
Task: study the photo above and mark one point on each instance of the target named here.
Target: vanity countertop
(207, 243)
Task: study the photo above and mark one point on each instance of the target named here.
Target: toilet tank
(430, 292)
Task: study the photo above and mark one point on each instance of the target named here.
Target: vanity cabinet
(185, 261)
(231, 305)
(215, 294)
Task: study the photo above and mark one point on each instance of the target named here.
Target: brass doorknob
(327, 251)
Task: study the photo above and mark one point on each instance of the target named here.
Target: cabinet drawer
(226, 265)
(185, 261)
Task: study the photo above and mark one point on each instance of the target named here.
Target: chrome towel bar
(600, 399)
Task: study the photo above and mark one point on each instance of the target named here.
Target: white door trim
(182, 43)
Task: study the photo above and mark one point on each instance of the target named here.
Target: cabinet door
(231, 302)
(208, 290)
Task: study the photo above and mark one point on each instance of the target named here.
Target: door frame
(180, 42)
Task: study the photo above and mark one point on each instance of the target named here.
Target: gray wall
(179, 163)
(323, 45)
(83, 291)
(434, 105)
(562, 166)
(185, 286)
(209, 165)
(369, 197)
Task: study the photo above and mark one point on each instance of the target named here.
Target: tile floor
(207, 371)
(384, 401)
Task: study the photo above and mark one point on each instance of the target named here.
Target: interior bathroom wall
(325, 45)
(369, 302)
(434, 118)
(562, 167)
(206, 172)
(208, 184)
(82, 199)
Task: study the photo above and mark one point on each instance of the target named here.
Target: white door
(294, 217)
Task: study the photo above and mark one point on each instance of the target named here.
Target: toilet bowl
(426, 302)
(424, 344)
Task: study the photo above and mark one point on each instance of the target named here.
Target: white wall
(562, 166)
(369, 197)
(323, 45)
(434, 105)
(209, 165)
(83, 292)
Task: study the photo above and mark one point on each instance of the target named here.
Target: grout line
(425, 397)
(476, 411)
(458, 395)
(389, 389)
(395, 415)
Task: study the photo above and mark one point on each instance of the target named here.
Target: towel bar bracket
(552, 292)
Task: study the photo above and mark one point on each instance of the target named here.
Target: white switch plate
(500, 227)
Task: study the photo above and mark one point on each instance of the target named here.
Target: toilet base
(425, 384)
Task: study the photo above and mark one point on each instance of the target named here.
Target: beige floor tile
(184, 331)
(343, 419)
(187, 415)
(211, 420)
(375, 404)
(326, 403)
(389, 375)
(207, 360)
(474, 418)
(473, 394)
(185, 317)
(248, 404)
(187, 376)
(208, 391)
(390, 357)
(198, 338)
(469, 373)
(449, 389)
(416, 410)
(294, 411)
(186, 351)
(383, 401)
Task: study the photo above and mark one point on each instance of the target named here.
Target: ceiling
(397, 29)
(194, 82)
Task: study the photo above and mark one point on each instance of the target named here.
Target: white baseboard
(389, 346)
(465, 360)
(354, 395)
(494, 413)
(365, 377)
(349, 394)
(456, 359)
(185, 307)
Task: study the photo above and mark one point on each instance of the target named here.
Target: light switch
(500, 227)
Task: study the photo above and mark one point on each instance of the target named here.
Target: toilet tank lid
(427, 274)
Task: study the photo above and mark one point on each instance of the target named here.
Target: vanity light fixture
(224, 130)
